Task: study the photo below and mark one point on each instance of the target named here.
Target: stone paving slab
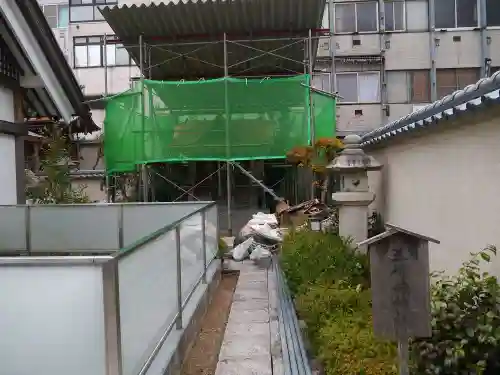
(234, 348)
(246, 347)
(252, 316)
(249, 305)
(254, 366)
(250, 294)
(247, 329)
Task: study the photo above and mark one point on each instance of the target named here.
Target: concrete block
(254, 366)
(246, 329)
(249, 295)
(258, 304)
(237, 348)
(252, 316)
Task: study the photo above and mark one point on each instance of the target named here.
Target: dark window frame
(457, 75)
(489, 11)
(392, 4)
(356, 16)
(87, 41)
(416, 95)
(456, 22)
(57, 16)
(94, 4)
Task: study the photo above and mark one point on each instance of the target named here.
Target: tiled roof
(474, 97)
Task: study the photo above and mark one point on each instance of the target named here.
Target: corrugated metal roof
(484, 93)
(207, 21)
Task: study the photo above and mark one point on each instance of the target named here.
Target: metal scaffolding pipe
(144, 170)
(311, 102)
(228, 150)
(332, 46)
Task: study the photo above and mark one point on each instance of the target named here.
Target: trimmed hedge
(330, 283)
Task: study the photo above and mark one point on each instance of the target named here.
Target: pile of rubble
(263, 233)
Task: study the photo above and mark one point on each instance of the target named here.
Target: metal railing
(295, 359)
(143, 301)
(83, 228)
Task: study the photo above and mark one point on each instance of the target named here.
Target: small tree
(56, 187)
(317, 158)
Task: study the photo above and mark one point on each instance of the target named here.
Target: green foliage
(465, 323)
(340, 330)
(328, 278)
(376, 224)
(313, 257)
(56, 187)
(222, 248)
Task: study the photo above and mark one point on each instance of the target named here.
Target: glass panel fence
(141, 219)
(148, 298)
(191, 238)
(74, 228)
(51, 320)
(212, 242)
(13, 221)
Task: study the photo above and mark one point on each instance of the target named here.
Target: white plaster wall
(6, 104)
(8, 192)
(445, 184)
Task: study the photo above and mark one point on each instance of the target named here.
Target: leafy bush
(340, 329)
(314, 257)
(465, 323)
(328, 279)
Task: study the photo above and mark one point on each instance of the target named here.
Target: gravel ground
(203, 357)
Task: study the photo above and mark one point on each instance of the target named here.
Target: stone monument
(352, 166)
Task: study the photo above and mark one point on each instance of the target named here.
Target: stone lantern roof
(353, 158)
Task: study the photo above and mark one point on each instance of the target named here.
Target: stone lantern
(352, 166)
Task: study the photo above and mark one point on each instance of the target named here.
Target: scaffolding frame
(307, 64)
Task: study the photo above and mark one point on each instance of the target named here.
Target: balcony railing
(119, 313)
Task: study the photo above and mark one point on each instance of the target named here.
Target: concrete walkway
(251, 344)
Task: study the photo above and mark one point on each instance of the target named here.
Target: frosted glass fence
(86, 228)
(118, 314)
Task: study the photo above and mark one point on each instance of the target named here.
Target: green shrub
(465, 323)
(309, 257)
(340, 329)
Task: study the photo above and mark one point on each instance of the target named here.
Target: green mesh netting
(220, 119)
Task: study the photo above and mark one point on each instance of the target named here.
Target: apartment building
(392, 57)
(389, 57)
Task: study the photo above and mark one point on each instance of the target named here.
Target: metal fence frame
(110, 279)
(119, 234)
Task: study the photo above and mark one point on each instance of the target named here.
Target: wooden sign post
(400, 282)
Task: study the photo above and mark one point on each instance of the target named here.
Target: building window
(87, 10)
(420, 86)
(356, 17)
(361, 87)
(493, 12)
(451, 80)
(321, 81)
(57, 15)
(88, 52)
(451, 14)
(394, 15)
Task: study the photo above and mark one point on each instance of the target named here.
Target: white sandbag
(267, 232)
(264, 218)
(259, 252)
(241, 251)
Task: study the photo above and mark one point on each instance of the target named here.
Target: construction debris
(298, 215)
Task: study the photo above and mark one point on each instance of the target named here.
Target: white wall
(445, 184)
(8, 185)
